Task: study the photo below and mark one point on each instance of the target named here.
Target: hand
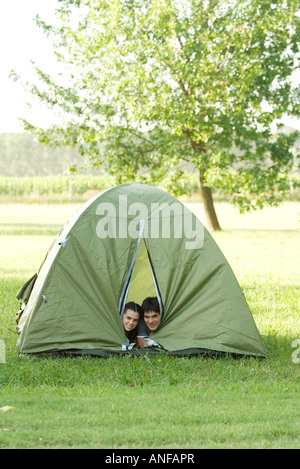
(141, 342)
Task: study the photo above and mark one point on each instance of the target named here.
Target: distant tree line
(21, 155)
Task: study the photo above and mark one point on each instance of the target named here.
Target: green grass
(158, 402)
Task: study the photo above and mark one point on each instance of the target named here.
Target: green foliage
(51, 185)
(79, 186)
(151, 84)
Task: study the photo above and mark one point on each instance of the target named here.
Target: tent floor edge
(103, 353)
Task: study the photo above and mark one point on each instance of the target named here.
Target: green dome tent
(125, 244)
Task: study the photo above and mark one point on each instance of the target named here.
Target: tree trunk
(212, 223)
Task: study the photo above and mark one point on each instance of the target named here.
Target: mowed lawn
(159, 402)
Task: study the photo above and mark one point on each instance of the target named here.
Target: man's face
(152, 319)
(130, 320)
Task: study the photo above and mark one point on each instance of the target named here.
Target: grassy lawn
(158, 402)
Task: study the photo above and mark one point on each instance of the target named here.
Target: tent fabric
(141, 235)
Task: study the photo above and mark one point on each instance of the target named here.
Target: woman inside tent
(131, 317)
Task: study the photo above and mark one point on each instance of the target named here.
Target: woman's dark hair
(134, 307)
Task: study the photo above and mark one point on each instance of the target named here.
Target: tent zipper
(128, 276)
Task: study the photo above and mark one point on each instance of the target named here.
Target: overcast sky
(21, 41)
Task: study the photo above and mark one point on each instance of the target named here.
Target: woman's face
(130, 320)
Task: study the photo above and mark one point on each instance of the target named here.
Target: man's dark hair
(151, 304)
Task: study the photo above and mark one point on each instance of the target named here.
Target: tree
(154, 83)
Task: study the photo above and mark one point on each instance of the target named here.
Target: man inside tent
(149, 321)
